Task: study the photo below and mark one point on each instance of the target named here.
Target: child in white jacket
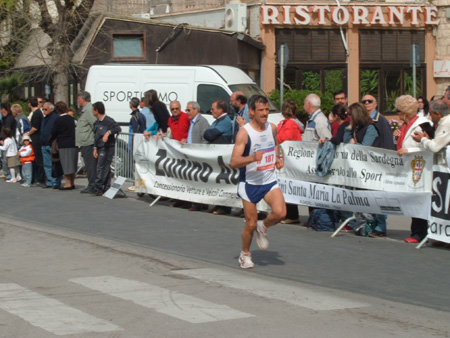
(8, 145)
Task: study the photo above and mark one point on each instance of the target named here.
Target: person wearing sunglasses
(385, 141)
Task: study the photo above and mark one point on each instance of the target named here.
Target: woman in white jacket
(407, 112)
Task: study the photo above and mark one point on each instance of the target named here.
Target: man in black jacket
(105, 130)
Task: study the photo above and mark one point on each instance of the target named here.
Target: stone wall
(442, 34)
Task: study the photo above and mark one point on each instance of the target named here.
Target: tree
(62, 29)
(15, 24)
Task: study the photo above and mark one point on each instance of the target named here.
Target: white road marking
(172, 303)
(294, 295)
(49, 314)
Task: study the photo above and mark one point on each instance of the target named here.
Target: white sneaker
(25, 185)
(132, 188)
(18, 178)
(12, 180)
(262, 241)
(245, 260)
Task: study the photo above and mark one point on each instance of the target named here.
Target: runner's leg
(275, 200)
(251, 216)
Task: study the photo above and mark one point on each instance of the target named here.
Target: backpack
(24, 126)
(323, 219)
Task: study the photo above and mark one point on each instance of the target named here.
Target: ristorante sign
(345, 15)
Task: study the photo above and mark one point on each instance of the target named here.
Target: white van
(116, 84)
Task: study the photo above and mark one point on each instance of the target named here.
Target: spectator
(178, 122)
(27, 157)
(317, 126)
(220, 132)
(424, 107)
(198, 125)
(158, 109)
(361, 130)
(84, 138)
(50, 116)
(64, 133)
(138, 122)
(385, 140)
(9, 147)
(23, 124)
(35, 133)
(407, 107)
(105, 130)
(145, 110)
(288, 130)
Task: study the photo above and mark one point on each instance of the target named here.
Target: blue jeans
(47, 156)
(381, 223)
(27, 173)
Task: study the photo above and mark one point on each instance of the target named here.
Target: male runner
(256, 153)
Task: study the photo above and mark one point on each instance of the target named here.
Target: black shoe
(96, 192)
(46, 186)
(377, 234)
(86, 191)
(56, 187)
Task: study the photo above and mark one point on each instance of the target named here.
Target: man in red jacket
(179, 122)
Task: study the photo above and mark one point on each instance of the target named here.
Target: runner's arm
(237, 158)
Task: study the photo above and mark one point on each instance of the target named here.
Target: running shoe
(245, 260)
(262, 241)
(132, 188)
(12, 180)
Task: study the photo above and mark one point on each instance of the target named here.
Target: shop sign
(343, 15)
(441, 68)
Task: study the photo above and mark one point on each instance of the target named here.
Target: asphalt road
(383, 268)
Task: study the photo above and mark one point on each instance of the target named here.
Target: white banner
(191, 172)
(369, 201)
(201, 173)
(360, 167)
(439, 223)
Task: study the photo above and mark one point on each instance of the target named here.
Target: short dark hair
(33, 101)
(7, 106)
(339, 91)
(222, 105)
(257, 98)
(339, 111)
(6, 132)
(241, 98)
(135, 102)
(85, 95)
(99, 107)
(60, 107)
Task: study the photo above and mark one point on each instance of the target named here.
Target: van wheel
(122, 161)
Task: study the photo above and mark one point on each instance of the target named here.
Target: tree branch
(46, 22)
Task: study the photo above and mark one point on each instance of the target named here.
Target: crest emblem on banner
(417, 166)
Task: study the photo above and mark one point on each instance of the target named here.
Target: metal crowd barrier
(123, 164)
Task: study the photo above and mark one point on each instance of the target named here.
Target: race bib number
(268, 160)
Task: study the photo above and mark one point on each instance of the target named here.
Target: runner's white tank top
(261, 172)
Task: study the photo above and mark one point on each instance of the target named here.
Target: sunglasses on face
(366, 101)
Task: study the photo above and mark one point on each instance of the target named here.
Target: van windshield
(250, 90)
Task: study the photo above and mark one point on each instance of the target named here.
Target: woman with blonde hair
(407, 106)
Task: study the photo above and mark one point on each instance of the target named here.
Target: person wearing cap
(26, 154)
